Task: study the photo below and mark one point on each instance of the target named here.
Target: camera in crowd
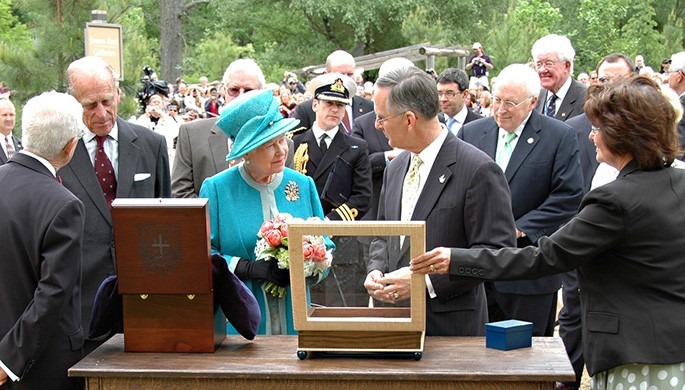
(151, 86)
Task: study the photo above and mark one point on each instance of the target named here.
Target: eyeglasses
(381, 121)
(546, 64)
(594, 130)
(448, 94)
(235, 91)
(508, 104)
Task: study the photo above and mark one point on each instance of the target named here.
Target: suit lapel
(438, 179)
(488, 141)
(83, 171)
(129, 153)
(526, 143)
(218, 146)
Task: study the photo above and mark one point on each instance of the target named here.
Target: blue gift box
(510, 334)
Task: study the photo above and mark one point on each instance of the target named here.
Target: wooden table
(270, 362)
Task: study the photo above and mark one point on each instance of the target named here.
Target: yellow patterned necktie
(410, 190)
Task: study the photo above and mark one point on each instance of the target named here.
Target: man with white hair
(202, 147)
(341, 62)
(676, 80)
(40, 261)
(539, 157)
(561, 96)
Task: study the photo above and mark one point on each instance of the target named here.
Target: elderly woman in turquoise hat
(258, 189)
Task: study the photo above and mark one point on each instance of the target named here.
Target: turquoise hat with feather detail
(251, 120)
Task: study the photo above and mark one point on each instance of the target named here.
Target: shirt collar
(461, 115)
(89, 135)
(43, 161)
(561, 93)
(430, 152)
(318, 132)
(518, 131)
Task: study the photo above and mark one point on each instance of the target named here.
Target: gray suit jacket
(40, 275)
(544, 178)
(571, 106)
(201, 153)
(140, 151)
(465, 203)
(628, 246)
(17, 147)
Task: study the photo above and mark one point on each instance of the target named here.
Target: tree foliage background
(38, 39)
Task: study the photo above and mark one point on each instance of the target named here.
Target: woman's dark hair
(635, 119)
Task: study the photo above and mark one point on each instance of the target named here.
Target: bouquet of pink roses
(273, 245)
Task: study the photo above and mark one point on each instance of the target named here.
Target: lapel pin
(563, 114)
(441, 179)
(530, 140)
(354, 146)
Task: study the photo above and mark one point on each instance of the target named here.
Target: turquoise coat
(237, 208)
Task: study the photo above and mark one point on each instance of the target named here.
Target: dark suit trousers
(540, 309)
(570, 329)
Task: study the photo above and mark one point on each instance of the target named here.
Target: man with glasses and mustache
(202, 147)
(539, 157)
(561, 96)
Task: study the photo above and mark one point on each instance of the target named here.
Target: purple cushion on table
(108, 313)
(237, 302)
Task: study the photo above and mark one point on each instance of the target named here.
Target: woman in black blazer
(626, 242)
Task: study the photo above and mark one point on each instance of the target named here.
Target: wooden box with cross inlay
(165, 275)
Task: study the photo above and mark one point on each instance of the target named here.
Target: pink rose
(284, 229)
(266, 226)
(308, 250)
(319, 252)
(273, 237)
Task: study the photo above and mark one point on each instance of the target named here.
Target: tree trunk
(171, 39)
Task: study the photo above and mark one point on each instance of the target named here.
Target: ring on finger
(432, 268)
(396, 295)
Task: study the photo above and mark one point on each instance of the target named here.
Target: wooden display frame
(358, 329)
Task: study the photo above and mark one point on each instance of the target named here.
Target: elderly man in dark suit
(9, 144)
(339, 165)
(341, 62)
(40, 261)
(458, 190)
(561, 96)
(115, 159)
(202, 147)
(539, 157)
